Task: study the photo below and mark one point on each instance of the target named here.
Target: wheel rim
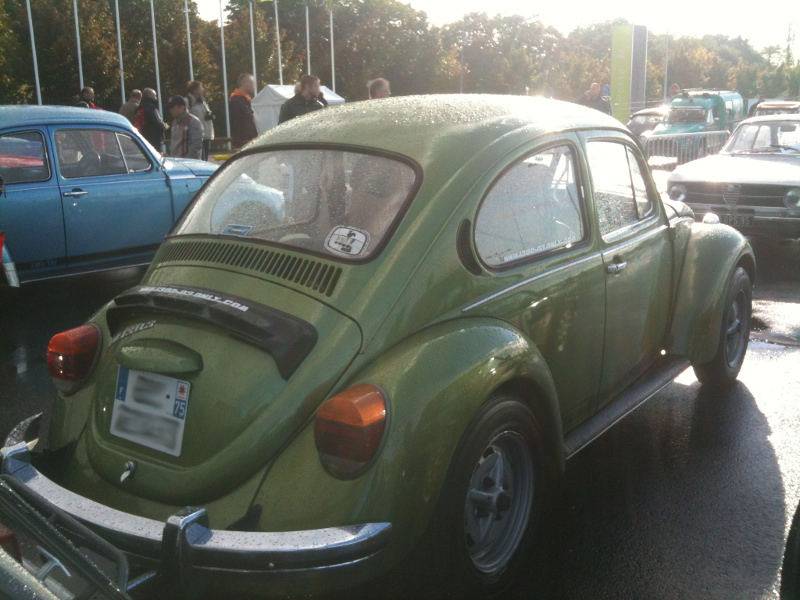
(499, 501)
(736, 329)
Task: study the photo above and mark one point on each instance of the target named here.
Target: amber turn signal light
(71, 356)
(349, 428)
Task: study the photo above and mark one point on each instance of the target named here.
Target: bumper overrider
(186, 555)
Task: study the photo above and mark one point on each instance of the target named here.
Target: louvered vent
(310, 273)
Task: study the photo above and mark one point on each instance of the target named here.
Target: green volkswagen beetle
(378, 333)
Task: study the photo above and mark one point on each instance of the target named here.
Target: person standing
(753, 108)
(198, 106)
(129, 109)
(593, 99)
(243, 124)
(87, 99)
(378, 88)
(186, 137)
(148, 120)
(674, 90)
(304, 101)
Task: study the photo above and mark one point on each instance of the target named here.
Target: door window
(620, 191)
(23, 158)
(532, 208)
(135, 158)
(88, 153)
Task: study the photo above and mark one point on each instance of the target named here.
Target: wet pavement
(689, 497)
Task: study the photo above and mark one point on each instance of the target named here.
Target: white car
(753, 184)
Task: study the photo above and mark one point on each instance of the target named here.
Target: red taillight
(8, 542)
(71, 355)
(349, 428)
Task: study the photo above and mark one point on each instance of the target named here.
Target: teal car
(455, 295)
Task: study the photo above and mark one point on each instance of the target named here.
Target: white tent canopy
(267, 104)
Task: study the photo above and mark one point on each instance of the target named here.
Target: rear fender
(712, 254)
(436, 381)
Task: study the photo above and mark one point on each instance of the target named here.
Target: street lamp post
(78, 38)
(224, 73)
(119, 51)
(333, 65)
(35, 61)
(253, 48)
(188, 38)
(278, 39)
(155, 55)
(308, 42)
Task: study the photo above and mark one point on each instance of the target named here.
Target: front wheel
(490, 502)
(724, 368)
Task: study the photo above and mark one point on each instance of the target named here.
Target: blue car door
(116, 198)
(30, 207)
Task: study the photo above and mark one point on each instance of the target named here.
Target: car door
(637, 257)
(532, 234)
(116, 199)
(30, 207)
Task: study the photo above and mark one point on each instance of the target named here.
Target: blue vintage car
(84, 192)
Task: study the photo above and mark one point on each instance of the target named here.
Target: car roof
(27, 115)
(779, 104)
(763, 118)
(656, 110)
(426, 128)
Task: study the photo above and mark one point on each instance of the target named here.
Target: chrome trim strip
(635, 240)
(530, 280)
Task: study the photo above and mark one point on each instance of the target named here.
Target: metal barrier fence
(668, 151)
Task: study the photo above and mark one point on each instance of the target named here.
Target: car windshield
(328, 201)
(686, 114)
(766, 137)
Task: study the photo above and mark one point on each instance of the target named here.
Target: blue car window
(532, 208)
(135, 158)
(88, 153)
(23, 158)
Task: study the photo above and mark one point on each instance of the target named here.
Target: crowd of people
(192, 125)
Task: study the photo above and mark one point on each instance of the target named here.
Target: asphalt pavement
(689, 497)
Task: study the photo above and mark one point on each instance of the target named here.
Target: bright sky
(765, 25)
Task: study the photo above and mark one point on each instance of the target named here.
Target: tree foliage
(372, 38)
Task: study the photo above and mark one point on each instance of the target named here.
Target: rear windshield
(686, 114)
(328, 201)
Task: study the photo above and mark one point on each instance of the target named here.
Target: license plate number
(150, 409)
(738, 220)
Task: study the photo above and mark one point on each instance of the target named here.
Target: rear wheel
(724, 368)
(490, 502)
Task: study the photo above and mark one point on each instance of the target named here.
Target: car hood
(678, 128)
(255, 360)
(728, 168)
(200, 168)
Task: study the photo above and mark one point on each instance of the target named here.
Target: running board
(652, 381)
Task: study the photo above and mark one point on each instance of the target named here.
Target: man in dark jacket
(87, 98)
(148, 120)
(593, 99)
(243, 124)
(304, 101)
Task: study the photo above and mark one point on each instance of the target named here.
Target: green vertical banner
(621, 60)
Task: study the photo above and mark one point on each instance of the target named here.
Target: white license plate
(738, 220)
(150, 409)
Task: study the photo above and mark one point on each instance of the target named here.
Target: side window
(88, 153)
(23, 158)
(135, 157)
(620, 193)
(643, 204)
(532, 208)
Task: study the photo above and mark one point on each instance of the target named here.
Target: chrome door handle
(616, 267)
(74, 193)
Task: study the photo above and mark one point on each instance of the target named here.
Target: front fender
(712, 254)
(436, 381)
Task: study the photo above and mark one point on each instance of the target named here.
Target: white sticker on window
(347, 241)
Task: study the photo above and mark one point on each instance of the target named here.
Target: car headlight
(792, 198)
(677, 191)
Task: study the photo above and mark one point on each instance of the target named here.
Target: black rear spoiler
(287, 338)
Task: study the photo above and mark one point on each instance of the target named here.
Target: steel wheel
(499, 501)
(736, 330)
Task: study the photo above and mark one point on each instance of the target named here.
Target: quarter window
(23, 158)
(135, 158)
(88, 153)
(620, 192)
(533, 208)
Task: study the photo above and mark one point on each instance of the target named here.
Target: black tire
(734, 336)
(790, 573)
(506, 433)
